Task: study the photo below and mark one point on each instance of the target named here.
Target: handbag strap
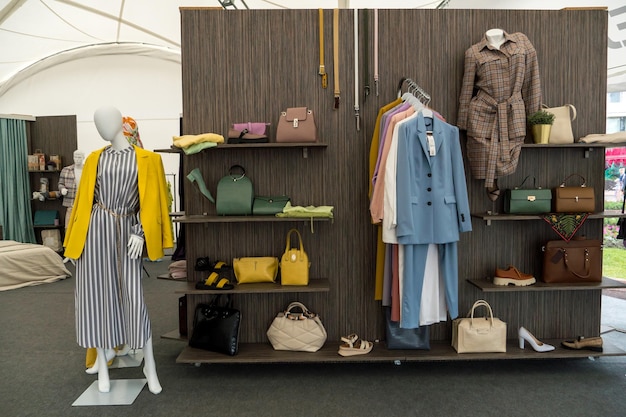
(336, 56)
(306, 313)
(288, 245)
(243, 172)
(570, 107)
(587, 264)
(322, 70)
(584, 181)
(478, 304)
(528, 176)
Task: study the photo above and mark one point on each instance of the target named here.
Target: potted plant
(541, 123)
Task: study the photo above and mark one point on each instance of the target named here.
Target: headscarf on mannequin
(131, 131)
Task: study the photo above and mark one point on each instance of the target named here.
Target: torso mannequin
(495, 38)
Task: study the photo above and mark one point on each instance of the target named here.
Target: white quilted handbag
(295, 330)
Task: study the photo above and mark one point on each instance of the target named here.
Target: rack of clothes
(419, 203)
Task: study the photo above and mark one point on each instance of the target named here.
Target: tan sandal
(354, 346)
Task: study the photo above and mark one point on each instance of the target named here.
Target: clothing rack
(414, 89)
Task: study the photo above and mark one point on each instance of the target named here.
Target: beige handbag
(300, 331)
(297, 124)
(479, 334)
(561, 131)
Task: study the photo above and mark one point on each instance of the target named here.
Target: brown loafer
(514, 276)
(589, 343)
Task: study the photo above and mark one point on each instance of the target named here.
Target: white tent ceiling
(38, 34)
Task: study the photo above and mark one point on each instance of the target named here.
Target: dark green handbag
(268, 206)
(234, 193)
(534, 200)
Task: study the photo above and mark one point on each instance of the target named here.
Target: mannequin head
(108, 121)
(79, 158)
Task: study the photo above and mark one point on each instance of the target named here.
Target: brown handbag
(297, 124)
(579, 199)
(574, 261)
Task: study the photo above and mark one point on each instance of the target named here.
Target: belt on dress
(500, 128)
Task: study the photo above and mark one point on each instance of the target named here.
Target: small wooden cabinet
(53, 135)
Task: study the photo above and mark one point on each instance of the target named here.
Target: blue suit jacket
(432, 200)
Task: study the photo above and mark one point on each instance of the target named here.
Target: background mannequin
(68, 182)
(107, 237)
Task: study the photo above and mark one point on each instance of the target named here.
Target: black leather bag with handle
(216, 327)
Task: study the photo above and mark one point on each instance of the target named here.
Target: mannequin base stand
(122, 392)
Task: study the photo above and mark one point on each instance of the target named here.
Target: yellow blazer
(153, 205)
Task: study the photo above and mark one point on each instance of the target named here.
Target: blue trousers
(413, 280)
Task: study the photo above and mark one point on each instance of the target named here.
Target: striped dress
(110, 307)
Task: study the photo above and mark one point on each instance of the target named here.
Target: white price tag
(431, 144)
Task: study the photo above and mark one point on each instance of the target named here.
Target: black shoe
(203, 264)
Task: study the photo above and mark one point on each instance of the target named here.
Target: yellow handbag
(255, 269)
(294, 264)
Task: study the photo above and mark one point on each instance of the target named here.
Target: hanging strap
(365, 60)
(356, 70)
(322, 70)
(376, 50)
(336, 56)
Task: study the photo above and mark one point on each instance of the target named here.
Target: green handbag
(234, 193)
(268, 206)
(534, 200)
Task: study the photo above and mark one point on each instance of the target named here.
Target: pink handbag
(297, 124)
(254, 128)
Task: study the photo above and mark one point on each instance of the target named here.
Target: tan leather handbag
(579, 260)
(296, 124)
(479, 334)
(580, 199)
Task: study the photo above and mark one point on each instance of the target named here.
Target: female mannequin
(68, 182)
(501, 87)
(107, 237)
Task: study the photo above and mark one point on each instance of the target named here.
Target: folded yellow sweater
(188, 140)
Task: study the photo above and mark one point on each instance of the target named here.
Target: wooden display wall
(250, 65)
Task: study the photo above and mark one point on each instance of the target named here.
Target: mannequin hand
(63, 191)
(135, 246)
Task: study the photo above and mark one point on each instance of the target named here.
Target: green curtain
(15, 211)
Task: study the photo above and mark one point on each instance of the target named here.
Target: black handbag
(398, 338)
(216, 327)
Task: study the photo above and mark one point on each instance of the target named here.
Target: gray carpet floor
(42, 373)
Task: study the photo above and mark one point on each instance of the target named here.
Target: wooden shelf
(440, 351)
(44, 171)
(489, 217)
(315, 285)
(199, 218)
(486, 285)
(251, 146)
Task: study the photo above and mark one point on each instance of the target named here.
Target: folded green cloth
(197, 147)
(306, 212)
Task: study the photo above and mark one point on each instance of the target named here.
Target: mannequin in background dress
(107, 239)
(68, 182)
